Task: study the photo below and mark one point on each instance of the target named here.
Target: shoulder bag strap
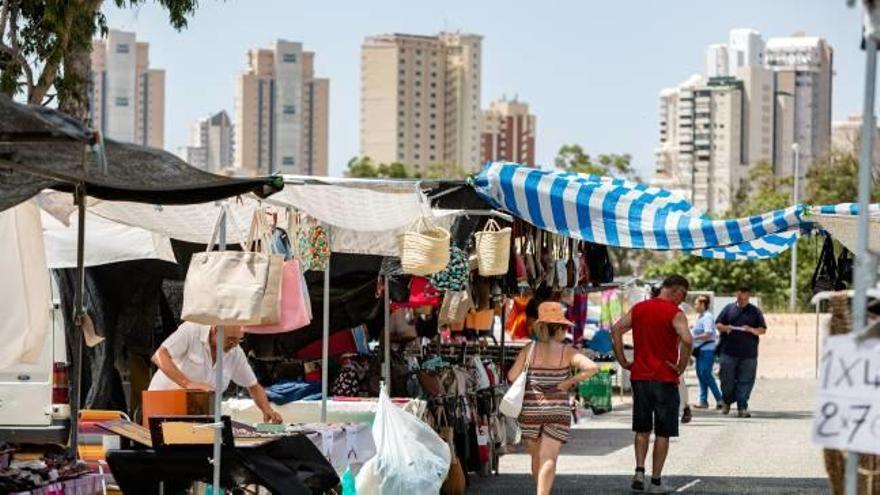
(225, 214)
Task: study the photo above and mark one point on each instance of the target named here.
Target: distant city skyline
(590, 72)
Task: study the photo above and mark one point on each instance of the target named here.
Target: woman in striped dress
(546, 413)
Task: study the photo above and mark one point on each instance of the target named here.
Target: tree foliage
(46, 45)
(832, 179)
(573, 158)
(363, 167)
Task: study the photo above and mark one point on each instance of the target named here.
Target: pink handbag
(295, 312)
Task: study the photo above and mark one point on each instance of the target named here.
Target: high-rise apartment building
(700, 151)
(746, 49)
(784, 86)
(717, 60)
(420, 99)
(508, 132)
(803, 67)
(282, 113)
(127, 96)
(211, 144)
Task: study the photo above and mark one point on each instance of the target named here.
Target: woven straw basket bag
(493, 249)
(424, 251)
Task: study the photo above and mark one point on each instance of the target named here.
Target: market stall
(41, 148)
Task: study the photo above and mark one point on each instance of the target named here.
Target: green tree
(46, 45)
(573, 158)
(394, 170)
(361, 167)
(834, 178)
(831, 180)
(444, 171)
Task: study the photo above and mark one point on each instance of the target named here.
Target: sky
(590, 70)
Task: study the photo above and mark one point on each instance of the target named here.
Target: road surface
(770, 453)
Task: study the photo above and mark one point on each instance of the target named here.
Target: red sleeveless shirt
(654, 340)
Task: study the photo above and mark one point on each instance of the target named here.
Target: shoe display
(686, 416)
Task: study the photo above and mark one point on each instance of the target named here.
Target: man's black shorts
(655, 408)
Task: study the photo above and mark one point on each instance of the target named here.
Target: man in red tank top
(662, 346)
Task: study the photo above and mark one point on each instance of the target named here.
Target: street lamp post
(792, 298)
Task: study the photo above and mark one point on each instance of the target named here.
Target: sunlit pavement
(770, 453)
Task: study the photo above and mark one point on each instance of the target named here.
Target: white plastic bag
(410, 458)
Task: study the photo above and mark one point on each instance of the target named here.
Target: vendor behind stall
(187, 357)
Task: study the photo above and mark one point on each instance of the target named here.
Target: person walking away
(545, 418)
(662, 347)
(705, 336)
(684, 406)
(742, 324)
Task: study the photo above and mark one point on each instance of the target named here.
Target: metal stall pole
(218, 374)
(325, 339)
(78, 315)
(386, 344)
(818, 304)
(792, 296)
(863, 276)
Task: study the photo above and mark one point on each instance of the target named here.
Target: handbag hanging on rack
(826, 270)
(260, 240)
(229, 287)
(425, 250)
(493, 249)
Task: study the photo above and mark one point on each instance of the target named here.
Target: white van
(35, 398)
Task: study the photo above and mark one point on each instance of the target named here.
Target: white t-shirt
(190, 349)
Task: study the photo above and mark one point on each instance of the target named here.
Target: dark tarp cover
(42, 148)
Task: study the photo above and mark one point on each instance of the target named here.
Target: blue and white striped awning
(622, 213)
(768, 246)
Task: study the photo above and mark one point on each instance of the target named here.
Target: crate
(596, 391)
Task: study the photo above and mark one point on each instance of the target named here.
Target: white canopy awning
(361, 220)
(357, 209)
(106, 242)
(844, 228)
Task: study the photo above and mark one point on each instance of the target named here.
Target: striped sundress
(546, 408)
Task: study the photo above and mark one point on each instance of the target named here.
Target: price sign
(847, 415)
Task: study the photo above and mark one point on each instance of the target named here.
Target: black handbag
(825, 275)
(599, 261)
(844, 269)
(398, 288)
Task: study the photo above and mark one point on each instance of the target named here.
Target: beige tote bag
(260, 241)
(225, 287)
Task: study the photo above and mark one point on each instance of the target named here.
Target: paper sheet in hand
(847, 414)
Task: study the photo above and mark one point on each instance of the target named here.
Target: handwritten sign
(847, 415)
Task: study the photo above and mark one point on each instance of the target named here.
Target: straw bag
(493, 249)
(425, 250)
(227, 287)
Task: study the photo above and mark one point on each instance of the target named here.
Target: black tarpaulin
(42, 148)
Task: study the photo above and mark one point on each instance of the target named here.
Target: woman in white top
(705, 338)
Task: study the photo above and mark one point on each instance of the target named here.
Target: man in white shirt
(187, 360)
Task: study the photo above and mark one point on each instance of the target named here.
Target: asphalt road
(770, 453)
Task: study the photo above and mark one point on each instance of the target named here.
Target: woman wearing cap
(546, 414)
